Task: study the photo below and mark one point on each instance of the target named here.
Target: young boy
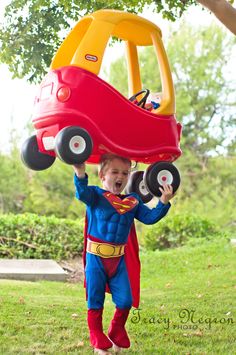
(110, 217)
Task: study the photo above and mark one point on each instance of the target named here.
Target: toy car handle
(143, 100)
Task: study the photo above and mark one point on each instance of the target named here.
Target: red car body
(72, 96)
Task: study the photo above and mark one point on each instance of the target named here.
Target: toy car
(78, 116)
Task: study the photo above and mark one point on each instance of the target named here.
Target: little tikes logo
(91, 57)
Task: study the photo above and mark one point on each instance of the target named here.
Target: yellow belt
(105, 250)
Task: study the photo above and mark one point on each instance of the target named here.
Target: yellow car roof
(128, 27)
(86, 43)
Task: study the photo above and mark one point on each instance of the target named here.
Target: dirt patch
(75, 269)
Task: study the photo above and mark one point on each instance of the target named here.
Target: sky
(17, 96)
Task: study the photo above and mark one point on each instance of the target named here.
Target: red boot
(117, 332)
(97, 338)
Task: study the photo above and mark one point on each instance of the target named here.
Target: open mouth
(118, 185)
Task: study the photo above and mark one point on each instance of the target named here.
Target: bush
(177, 230)
(32, 236)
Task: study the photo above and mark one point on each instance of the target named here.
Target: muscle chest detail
(112, 223)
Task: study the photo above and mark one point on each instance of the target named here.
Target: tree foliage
(33, 29)
(205, 97)
(209, 190)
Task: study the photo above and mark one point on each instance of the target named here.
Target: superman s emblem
(121, 206)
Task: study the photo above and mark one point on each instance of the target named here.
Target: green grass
(198, 283)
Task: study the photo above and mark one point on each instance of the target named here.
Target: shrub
(177, 230)
(32, 236)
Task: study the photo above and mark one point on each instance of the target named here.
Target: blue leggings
(96, 280)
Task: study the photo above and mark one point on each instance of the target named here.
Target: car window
(149, 69)
(114, 66)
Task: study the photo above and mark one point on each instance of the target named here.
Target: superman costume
(108, 243)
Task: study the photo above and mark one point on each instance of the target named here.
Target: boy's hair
(108, 157)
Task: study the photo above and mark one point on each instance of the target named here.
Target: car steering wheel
(144, 98)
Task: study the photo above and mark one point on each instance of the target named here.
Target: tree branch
(18, 241)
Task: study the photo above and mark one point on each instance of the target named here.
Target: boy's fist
(79, 170)
(167, 193)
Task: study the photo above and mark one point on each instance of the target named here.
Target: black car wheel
(32, 157)
(159, 174)
(136, 184)
(73, 145)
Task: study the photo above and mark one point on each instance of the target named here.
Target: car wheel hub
(143, 189)
(77, 144)
(164, 177)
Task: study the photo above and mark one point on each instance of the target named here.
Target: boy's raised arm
(150, 216)
(84, 192)
(80, 170)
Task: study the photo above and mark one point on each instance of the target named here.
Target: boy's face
(115, 176)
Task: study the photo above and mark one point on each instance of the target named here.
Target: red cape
(131, 259)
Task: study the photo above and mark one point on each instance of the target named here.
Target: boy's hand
(79, 170)
(167, 193)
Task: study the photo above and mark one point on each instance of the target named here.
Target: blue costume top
(110, 216)
(109, 219)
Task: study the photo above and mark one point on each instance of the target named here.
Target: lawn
(187, 307)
